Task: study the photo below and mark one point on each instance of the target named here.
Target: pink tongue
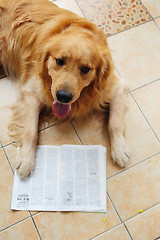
(60, 109)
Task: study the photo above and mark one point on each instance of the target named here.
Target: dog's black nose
(63, 96)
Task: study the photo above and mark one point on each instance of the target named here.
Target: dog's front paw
(24, 164)
(120, 153)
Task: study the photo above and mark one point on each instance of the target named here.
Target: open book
(65, 178)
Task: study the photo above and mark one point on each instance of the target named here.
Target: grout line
(114, 207)
(35, 226)
(125, 30)
(145, 210)
(128, 231)
(80, 8)
(117, 70)
(14, 224)
(108, 230)
(125, 170)
(145, 117)
(41, 130)
(9, 144)
(156, 17)
(146, 9)
(76, 132)
(144, 85)
(156, 24)
(7, 159)
(35, 214)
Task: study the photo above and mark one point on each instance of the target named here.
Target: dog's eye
(59, 61)
(85, 69)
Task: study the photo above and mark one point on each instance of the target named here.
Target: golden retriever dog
(61, 61)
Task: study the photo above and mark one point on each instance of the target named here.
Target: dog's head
(75, 60)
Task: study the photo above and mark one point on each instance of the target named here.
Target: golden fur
(33, 34)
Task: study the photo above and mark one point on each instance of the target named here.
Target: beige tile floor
(136, 53)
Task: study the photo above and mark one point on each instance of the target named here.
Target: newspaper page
(65, 178)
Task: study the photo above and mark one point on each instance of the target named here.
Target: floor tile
(146, 225)
(61, 133)
(114, 16)
(153, 6)
(7, 217)
(138, 188)
(136, 54)
(148, 100)
(116, 233)
(142, 141)
(75, 225)
(21, 231)
(70, 5)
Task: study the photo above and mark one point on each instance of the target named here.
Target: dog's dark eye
(59, 61)
(85, 70)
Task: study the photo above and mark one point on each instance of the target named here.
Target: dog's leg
(119, 150)
(24, 130)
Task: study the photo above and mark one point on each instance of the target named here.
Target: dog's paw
(24, 168)
(120, 153)
(24, 164)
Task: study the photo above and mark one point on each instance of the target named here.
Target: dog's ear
(103, 69)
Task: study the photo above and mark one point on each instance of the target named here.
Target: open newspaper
(65, 178)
